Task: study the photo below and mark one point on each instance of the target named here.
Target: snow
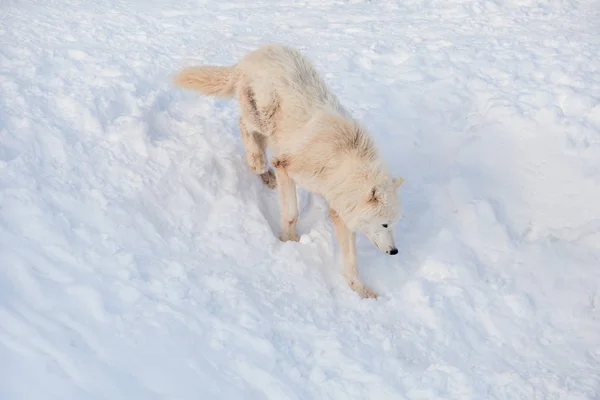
(139, 255)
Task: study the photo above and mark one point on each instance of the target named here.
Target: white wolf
(316, 144)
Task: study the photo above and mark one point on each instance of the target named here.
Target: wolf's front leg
(347, 241)
(288, 203)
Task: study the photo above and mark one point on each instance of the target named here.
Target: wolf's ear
(398, 181)
(373, 196)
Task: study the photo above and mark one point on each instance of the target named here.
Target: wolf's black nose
(394, 251)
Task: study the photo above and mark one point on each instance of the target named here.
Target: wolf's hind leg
(347, 241)
(255, 149)
(255, 146)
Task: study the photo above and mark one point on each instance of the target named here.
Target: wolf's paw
(289, 237)
(363, 290)
(269, 179)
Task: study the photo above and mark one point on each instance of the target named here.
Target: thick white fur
(315, 142)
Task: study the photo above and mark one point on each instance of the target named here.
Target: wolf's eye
(385, 225)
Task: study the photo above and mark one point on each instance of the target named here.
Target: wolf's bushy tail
(209, 80)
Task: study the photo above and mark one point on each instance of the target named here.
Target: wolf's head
(376, 213)
(359, 186)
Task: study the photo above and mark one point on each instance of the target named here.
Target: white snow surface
(139, 256)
